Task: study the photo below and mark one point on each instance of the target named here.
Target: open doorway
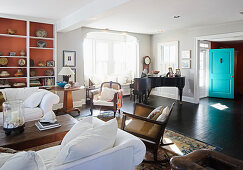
(204, 47)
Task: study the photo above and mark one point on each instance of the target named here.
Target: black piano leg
(180, 93)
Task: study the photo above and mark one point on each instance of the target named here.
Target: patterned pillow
(163, 117)
(155, 113)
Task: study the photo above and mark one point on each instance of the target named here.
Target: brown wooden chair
(113, 105)
(149, 131)
(205, 159)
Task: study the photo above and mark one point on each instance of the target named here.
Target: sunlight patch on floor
(219, 106)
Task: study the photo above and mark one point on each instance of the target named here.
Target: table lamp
(66, 72)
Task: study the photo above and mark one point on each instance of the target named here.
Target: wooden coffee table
(32, 137)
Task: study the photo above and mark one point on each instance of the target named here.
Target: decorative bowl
(156, 72)
(61, 84)
(41, 33)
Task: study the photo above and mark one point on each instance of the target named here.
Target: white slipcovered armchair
(45, 98)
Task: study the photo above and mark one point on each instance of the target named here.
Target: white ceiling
(149, 16)
(49, 9)
(140, 16)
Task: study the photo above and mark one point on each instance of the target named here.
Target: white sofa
(45, 106)
(127, 152)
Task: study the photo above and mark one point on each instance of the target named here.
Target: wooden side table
(68, 99)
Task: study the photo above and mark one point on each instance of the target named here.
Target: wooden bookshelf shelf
(26, 39)
(41, 77)
(12, 67)
(41, 38)
(14, 56)
(13, 78)
(39, 48)
(15, 36)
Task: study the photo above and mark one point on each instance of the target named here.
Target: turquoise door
(221, 73)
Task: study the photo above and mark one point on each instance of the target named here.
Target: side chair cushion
(141, 127)
(103, 103)
(155, 113)
(107, 94)
(90, 142)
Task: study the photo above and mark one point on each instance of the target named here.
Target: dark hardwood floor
(222, 128)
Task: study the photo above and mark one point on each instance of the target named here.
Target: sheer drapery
(110, 57)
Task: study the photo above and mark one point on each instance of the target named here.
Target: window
(110, 57)
(168, 56)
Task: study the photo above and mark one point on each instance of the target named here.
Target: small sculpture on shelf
(22, 53)
(19, 73)
(1, 53)
(41, 33)
(32, 63)
(4, 74)
(41, 64)
(12, 53)
(50, 63)
(3, 61)
(12, 31)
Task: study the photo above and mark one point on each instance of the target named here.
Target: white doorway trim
(216, 37)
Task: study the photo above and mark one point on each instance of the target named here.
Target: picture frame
(50, 63)
(69, 58)
(186, 64)
(73, 77)
(186, 54)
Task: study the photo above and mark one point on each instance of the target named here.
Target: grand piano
(143, 86)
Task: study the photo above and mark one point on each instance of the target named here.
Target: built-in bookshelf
(25, 39)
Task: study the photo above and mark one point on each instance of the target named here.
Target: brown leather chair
(113, 105)
(205, 159)
(149, 131)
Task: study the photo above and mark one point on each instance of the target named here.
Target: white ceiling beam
(81, 16)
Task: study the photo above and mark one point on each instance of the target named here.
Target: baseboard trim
(171, 96)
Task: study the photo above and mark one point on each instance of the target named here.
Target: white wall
(186, 38)
(73, 40)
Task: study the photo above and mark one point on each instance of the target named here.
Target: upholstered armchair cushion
(107, 94)
(142, 127)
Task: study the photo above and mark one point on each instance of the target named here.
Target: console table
(68, 99)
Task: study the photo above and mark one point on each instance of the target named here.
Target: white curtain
(110, 57)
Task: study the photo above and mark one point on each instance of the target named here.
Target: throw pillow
(107, 94)
(24, 160)
(77, 129)
(92, 141)
(164, 115)
(156, 111)
(34, 99)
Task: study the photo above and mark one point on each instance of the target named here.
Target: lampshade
(66, 71)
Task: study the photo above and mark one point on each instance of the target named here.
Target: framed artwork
(73, 77)
(186, 54)
(69, 58)
(186, 64)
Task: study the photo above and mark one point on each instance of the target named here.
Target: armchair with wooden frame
(113, 105)
(149, 131)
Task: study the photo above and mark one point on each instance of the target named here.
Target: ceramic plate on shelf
(3, 61)
(49, 72)
(41, 33)
(21, 62)
(32, 73)
(41, 44)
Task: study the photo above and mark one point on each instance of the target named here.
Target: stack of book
(45, 126)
